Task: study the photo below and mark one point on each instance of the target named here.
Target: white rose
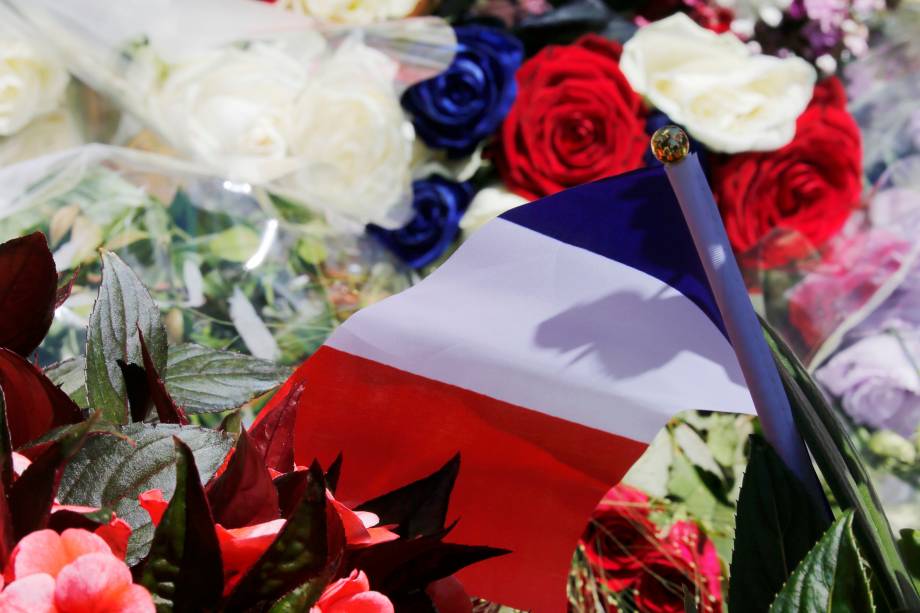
(724, 95)
(353, 140)
(488, 204)
(31, 83)
(233, 109)
(352, 11)
(51, 132)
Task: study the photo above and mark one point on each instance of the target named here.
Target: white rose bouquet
(257, 94)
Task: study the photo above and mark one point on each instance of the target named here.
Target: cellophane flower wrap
(258, 94)
(231, 265)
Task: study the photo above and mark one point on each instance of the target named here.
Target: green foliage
(123, 307)
(775, 529)
(203, 380)
(183, 571)
(70, 376)
(299, 554)
(830, 578)
(846, 476)
(111, 472)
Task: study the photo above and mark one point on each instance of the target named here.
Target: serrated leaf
(207, 380)
(830, 578)
(309, 546)
(842, 468)
(70, 376)
(111, 473)
(184, 569)
(420, 507)
(33, 404)
(243, 495)
(774, 530)
(123, 307)
(28, 285)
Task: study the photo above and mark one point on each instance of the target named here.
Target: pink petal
(78, 542)
(116, 534)
(355, 583)
(134, 599)
(40, 552)
(153, 502)
(34, 594)
(367, 602)
(20, 464)
(241, 547)
(448, 596)
(93, 582)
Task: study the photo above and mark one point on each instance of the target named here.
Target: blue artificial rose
(439, 204)
(465, 104)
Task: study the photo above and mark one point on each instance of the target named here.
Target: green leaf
(184, 570)
(110, 472)
(840, 464)
(910, 551)
(235, 244)
(203, 380)
(70, 376)
(695, 448)
(830, 578)
(302, 598)
(776, 526)
(123, 307)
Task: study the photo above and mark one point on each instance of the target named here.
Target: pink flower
(71, 572)
(240, 548)
(851, 271)
(352, 595)
(700, 553)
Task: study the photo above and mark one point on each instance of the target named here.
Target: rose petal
(46, 551)
(153, 502)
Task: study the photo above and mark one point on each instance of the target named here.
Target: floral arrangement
(129, 507)
(360, 142)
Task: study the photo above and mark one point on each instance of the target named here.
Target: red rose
(781, 205)
(619, 536)
(575, 119)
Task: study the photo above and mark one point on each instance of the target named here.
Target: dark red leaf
(28, 284)
(167, 410)
(184, 565)
(7, 536)
(332, 475)
(244, 493)
(63, 519)
(418, 508)
(64, 289)
(290, 488)
(273, 434)
(404, 566)
(137, 390)
(33, 492)
(34, 405)
(310, 545)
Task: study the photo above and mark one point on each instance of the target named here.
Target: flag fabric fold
(548, 350)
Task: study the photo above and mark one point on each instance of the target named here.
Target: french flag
(548, 350)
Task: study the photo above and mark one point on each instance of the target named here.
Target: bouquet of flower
(230, 266)
(128, 507)
(257, 94)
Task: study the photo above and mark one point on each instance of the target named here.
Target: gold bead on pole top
(670, 144)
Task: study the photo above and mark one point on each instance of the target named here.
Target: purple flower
(877, 381)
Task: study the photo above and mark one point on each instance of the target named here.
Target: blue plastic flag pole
(702, 215)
